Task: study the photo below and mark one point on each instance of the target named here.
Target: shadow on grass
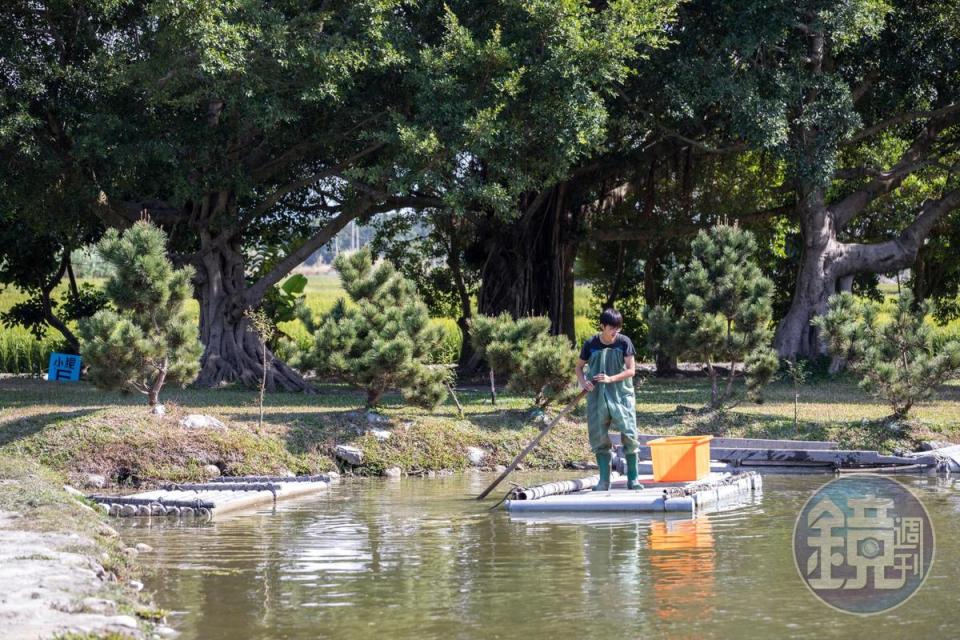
(319, 434)
(687, 420)
(17, 392)
(503, 419)
(19, 428)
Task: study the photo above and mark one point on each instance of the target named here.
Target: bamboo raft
(202, 500)
(718, 491)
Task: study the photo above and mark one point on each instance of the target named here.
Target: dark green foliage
(148, 338)
(616, 276)
(384, 340)
(546, 370)
(523, 350)
(898, 359)
(35, 257)
(497, 338)
(725, 315)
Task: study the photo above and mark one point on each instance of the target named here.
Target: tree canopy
(517, 145)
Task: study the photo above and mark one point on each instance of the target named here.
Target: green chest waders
(611, 404)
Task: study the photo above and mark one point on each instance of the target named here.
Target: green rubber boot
(603, 461)
(632, 472)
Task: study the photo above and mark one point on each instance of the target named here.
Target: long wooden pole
(513, 465)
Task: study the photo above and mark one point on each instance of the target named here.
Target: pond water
(419, 558)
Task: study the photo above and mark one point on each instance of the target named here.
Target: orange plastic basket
(680, 458)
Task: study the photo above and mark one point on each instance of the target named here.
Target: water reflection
(683, 564)
(420, 559)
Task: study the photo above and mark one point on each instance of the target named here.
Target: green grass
(21, 352)
(76, 429)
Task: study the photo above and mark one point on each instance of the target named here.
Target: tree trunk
(232, 351)
(153, 393)
(466, 362)
(666, 363)
(816, 282)
(373, 397)
(827, 265)
(528, 268)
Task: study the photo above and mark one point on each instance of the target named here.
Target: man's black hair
(611, 318)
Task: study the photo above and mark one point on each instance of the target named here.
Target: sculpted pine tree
(147, 339)
(897, 359)
(524, 353)
(725, 314)
(384, 340)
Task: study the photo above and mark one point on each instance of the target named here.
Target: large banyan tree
(514, 118)
(247, 130)
(858, 106)
(849, 111)
(254, 132)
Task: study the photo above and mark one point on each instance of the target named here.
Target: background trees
(383, 339)
(724, 313)
(856, 102)
(516, 146)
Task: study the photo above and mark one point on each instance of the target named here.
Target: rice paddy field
(22, 353)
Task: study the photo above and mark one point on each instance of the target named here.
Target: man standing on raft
(609, 359)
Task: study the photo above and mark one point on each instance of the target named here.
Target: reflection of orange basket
(680, 458)
(682, 568)
(680, 535)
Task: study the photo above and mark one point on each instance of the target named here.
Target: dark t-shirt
(622, 342)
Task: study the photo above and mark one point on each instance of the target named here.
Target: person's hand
(602, 378)
(586, 385)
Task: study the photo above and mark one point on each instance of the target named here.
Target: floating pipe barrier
(150, 501)
(124, 507)
(556, 488)
(201, 499)
(272, 479)
(718, 491)
(224, 486)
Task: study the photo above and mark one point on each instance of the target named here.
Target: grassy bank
(78, 430)
(68, 531)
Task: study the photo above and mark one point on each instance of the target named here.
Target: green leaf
(295, 284)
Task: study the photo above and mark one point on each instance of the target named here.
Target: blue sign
(64, 367)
